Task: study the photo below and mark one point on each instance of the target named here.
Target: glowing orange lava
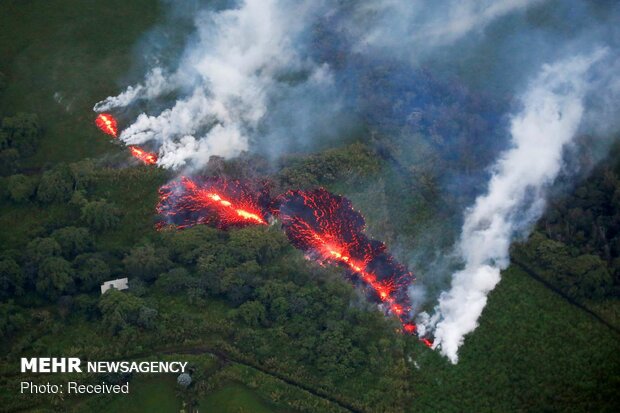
(214, 201)
(409, 328)
(107, 124)
(149, 158)
(327, 228)
(322, 224)
(383, 289)
(205, 196)
(250, 216)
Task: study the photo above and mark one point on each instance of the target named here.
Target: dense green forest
(576, 245)
(265, 329)
(245, 293)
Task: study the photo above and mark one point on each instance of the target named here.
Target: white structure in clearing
(119, 284)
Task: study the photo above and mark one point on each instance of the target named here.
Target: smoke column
(266, 75)
(248, 65)
(225, 79)
(411, 28)
(515, 199)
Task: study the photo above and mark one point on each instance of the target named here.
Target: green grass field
(532, 349)
(60, 58)
(158, 394)
(234, 399)
(147, 394)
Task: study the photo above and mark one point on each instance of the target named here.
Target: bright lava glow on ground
(327, 228)
(322, 224)
(107, 124)
(202, 196)
(213, 201)
(149, 158)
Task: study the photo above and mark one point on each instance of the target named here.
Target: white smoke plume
(230, 72)
(154, 85)
(552, 111)
(243, 58)
(415, 27)
(253, 64)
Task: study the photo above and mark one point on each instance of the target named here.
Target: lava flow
(327, 228)
(149, 158)
(107, 124)
(323, 225)
(213, 201)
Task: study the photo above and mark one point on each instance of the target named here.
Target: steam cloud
(253, 70)
(381, 25)
(552, 112)
(243, 59)
(228, 75)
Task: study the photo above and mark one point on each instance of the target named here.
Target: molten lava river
(321, 224)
